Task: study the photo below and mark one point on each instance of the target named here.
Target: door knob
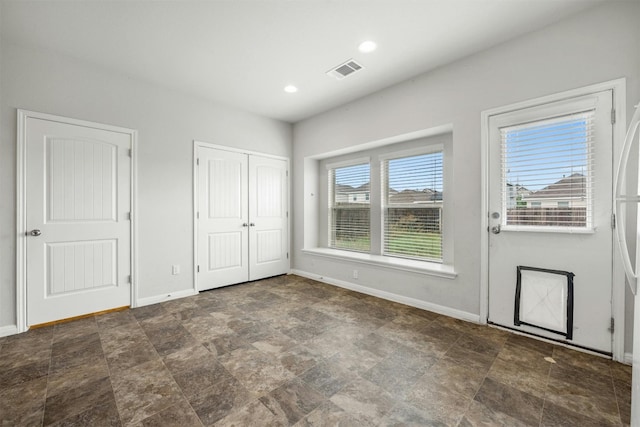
(244, 224)
(36, 232)
(495, 229)
(251, 224)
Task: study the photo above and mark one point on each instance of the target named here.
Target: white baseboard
(168, 297)
(413, 302)
(8, 330)
(628, 359)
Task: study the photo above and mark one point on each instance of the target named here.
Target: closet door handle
(251, 224)
(244, 224)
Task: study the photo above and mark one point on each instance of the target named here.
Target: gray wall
(598, 45)
(167, 123)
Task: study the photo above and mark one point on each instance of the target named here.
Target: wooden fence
(547, 217)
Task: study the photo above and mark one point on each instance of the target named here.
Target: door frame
(197, 144)
(618, 88)
(21, 205)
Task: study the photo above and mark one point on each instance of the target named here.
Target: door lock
(495, 229)
(36, 232)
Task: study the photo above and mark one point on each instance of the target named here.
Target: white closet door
(223, 223)
(268, 205)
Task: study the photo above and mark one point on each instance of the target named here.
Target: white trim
(403, 264)
(429, 149)
(236, 150)
(405, 137)
(618, 88)
(21, 205)
(547, 229)
(134, 219)
(550, 341)
(196, 145)
(627, 359)
(351, 162)
(9, 330)
(168, 297)
(413, 302)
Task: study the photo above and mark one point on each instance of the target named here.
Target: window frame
(330, 191)
(415, 143)
(400, 154)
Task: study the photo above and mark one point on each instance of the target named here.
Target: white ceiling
(242, 52)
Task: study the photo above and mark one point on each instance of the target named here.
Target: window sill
(414, 266)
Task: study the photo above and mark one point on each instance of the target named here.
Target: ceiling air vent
(345, 69)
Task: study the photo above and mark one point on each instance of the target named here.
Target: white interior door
(550, 210)
(223, 223)
(268, 215)
(78, 204)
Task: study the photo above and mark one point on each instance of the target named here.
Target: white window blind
(349, 208)
(412, 188)
(547, 172)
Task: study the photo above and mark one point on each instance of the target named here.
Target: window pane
(349, 212)
(413, 207)
(547, 173)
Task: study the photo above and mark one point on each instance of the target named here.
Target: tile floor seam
(46, 388)
(181, 392)
(161, 359)
(111, 382)
(546, 386)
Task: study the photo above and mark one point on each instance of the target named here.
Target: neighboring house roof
(347, 189)
(520, 190)
(416, 196)
(574, 186)
(404, 196)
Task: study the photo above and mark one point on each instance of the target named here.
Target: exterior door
(550, 221)
(223, 218)
(268, 214)
(78, 207)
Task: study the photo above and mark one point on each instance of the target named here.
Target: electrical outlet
(175, 269)
(355, 274)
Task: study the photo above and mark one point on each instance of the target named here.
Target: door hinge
(129, 279)
(287, 173)
(612, 325)
(197, 215)
(613, 220)
(198, 269)
(197, 162)
(613, 116)
(287, 214)
(129, 216)
(129, 153)
(287, 255)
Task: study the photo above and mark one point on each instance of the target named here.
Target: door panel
(268, 249)
(223, 218)
(78, 200)
(553, 214)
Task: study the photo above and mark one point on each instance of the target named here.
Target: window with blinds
(412, 211)
(547, 172)
(349, 208)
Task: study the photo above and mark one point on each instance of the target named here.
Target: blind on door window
(547, 172)
(349, 208)
(413, 206)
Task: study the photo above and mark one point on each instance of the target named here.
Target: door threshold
(82, 316)
(565, 343)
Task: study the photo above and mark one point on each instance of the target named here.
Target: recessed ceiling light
(367, 46)
(290, 89)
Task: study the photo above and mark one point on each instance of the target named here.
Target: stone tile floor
(291, 351)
